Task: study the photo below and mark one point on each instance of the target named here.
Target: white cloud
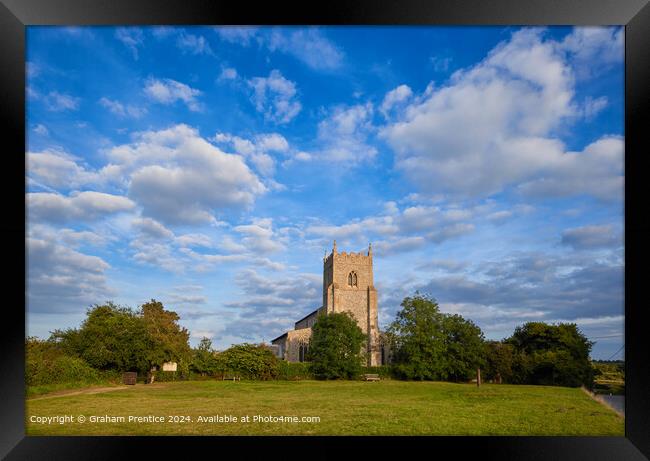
(179, 177)
(79, 206)
(394, 97)
(58, 102)
(492, 127)
(258, 150)
(276, 97)
(61, 279)
(228, 73)
(168, 91)
(259, 237)
(152, 228)
(195, 44)
(593, 106)
(309, 46)
(131, 37)
(588, 45)
(121, 110)
(41, 129)
(344, 134)
(596, 171)
(57, 168)
(241, 35)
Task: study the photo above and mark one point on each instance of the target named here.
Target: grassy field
(344, 408)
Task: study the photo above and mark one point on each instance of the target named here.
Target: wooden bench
(371, 377)
(231, 378)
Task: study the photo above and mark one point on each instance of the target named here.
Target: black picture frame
(15, 15)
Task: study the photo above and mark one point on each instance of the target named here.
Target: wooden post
(478, 377)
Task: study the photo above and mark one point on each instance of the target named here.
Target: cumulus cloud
(131, 37)
(61, 279)
(259, 236)
(179, 177)
(587, 45)
(168, 91)
(121, 110)
(57, 168)
(506, 107)
(344, 134)
(394, 97)
(152, 228)
(589, 237)
(275, 97)
(79, 206)
(259, 151)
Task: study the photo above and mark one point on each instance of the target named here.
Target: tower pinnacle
(334, 249)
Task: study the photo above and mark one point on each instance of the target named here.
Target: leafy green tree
(418, 341)
(499, 361)
(204, 360)
(335, 347)
(111, 337)
(169, 342)
(465, 347)
(556, 354)
(430, 345)
(252, 361)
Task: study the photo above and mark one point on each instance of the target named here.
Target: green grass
(344, 407)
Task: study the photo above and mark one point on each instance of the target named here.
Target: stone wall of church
(295, 339)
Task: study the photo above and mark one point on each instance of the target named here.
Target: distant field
(344, 408)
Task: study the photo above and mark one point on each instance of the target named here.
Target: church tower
(348, 287)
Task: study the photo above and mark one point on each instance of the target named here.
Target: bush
(47, 364)
(166, 376)
(291, 371)
(249, 361)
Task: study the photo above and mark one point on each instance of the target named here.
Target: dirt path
(89, 390)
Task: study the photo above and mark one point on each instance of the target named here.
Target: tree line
(423, 344)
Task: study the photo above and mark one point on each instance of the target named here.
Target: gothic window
(302, 352)
(352, 279)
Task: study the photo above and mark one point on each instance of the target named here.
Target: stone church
(347, 287)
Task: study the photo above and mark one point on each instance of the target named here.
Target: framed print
(374, 224)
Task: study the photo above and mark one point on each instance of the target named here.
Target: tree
(169, 341)
(335, 347)
(114, 337)
(556, 354)
(430, 345)
(465, 347)
(204, 360)
(111, 337)
(500, 359)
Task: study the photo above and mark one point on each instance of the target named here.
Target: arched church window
(352, 279)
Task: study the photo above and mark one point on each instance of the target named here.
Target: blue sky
(211, 168)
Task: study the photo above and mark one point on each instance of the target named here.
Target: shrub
(250, 361)
(294, 371)
(47, 364)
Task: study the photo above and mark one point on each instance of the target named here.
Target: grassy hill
(343, 408)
